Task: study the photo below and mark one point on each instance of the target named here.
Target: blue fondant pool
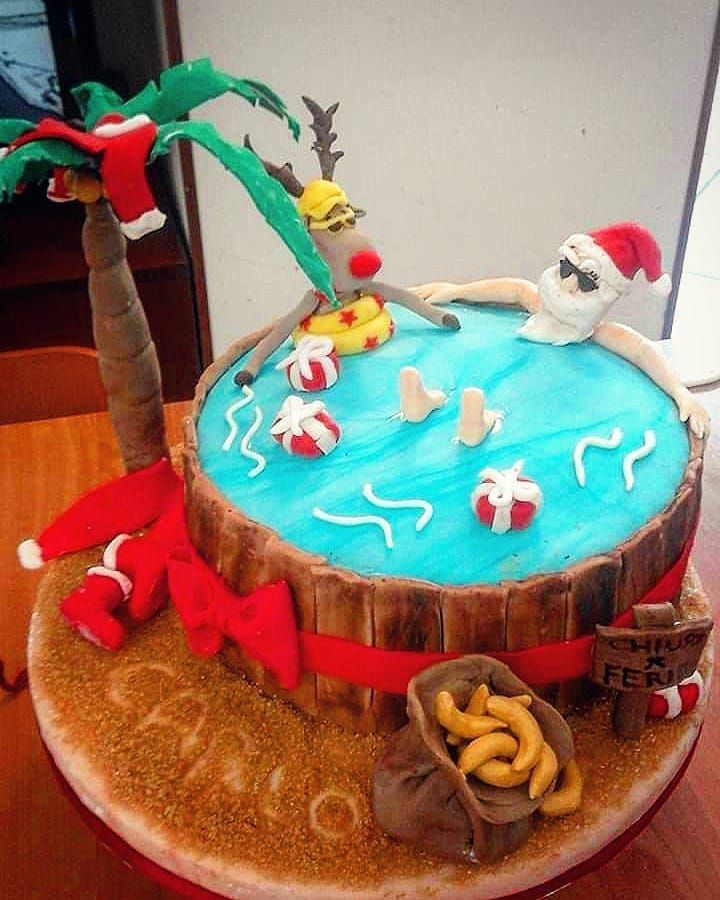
(551, 396)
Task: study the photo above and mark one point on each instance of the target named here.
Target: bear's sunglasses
(586, 282)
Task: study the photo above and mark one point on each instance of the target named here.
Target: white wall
(477, 134)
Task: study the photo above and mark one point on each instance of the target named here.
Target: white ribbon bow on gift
(296, 417)
(313, 347)
(502, 487)
(293, 413)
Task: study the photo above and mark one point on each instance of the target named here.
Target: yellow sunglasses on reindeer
(336, 223)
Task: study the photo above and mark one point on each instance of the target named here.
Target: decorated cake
(424, 572)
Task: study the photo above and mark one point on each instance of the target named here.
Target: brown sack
(419, 794)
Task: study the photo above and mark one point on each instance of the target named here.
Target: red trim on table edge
(166, 879)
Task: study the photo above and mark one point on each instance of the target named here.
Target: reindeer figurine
(357, 320)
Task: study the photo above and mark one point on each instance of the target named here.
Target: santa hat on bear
(622, 250)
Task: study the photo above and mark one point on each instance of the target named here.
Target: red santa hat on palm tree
(621, 251)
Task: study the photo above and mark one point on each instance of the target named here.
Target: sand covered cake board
(250, 798)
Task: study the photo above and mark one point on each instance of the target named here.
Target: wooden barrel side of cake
(344, 605)
(402, 614)
(604, 586)
(407, 615)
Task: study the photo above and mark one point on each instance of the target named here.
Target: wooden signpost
(656, 654)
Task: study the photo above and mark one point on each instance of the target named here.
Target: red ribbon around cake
(263, 623)
(391, 670)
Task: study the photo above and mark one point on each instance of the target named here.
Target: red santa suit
(122, 147)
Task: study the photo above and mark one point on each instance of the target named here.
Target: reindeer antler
(283, 174)
(321, 125)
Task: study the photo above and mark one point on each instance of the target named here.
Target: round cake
(456, 586)
(447, 525)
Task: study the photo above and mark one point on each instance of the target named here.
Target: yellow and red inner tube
(361, 325)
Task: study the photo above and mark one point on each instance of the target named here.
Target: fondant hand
(436, 291)
(694, 413)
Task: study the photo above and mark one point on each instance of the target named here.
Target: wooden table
(46, 853)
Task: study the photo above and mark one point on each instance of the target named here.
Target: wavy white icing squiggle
(426, 507)
(633, 456)
(259, 459)
(357, 520)
(593, 441)
(230, 415)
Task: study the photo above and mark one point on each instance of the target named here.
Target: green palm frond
(10, 129)
(94, 100)
(267, 194)
(179, 90)
(34, 161)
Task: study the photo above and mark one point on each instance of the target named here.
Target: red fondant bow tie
(262, 623)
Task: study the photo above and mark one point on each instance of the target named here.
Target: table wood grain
(46, 853)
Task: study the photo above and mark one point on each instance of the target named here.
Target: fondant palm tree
(103, 164)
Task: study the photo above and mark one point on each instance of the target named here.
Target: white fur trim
(110, 555)
(30, 554)
(661, 287)
(112, 129)
(85, 632)
(122, 580)
(151, 220)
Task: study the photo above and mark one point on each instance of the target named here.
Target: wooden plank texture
(407, 615)
(467, 631)
(344, 608)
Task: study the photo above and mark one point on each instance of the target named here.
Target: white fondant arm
(640, 352)
(392, 294)
(505, 291)
(275, 337)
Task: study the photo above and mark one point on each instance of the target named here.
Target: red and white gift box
(305, 429)
(313, 365)
(505, 499)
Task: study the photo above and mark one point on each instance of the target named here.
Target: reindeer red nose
(364, 264)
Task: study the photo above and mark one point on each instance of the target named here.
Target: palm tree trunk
(128, 361)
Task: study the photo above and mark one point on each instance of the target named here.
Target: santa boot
(145, 565)
(144, 561)
(88, 609)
